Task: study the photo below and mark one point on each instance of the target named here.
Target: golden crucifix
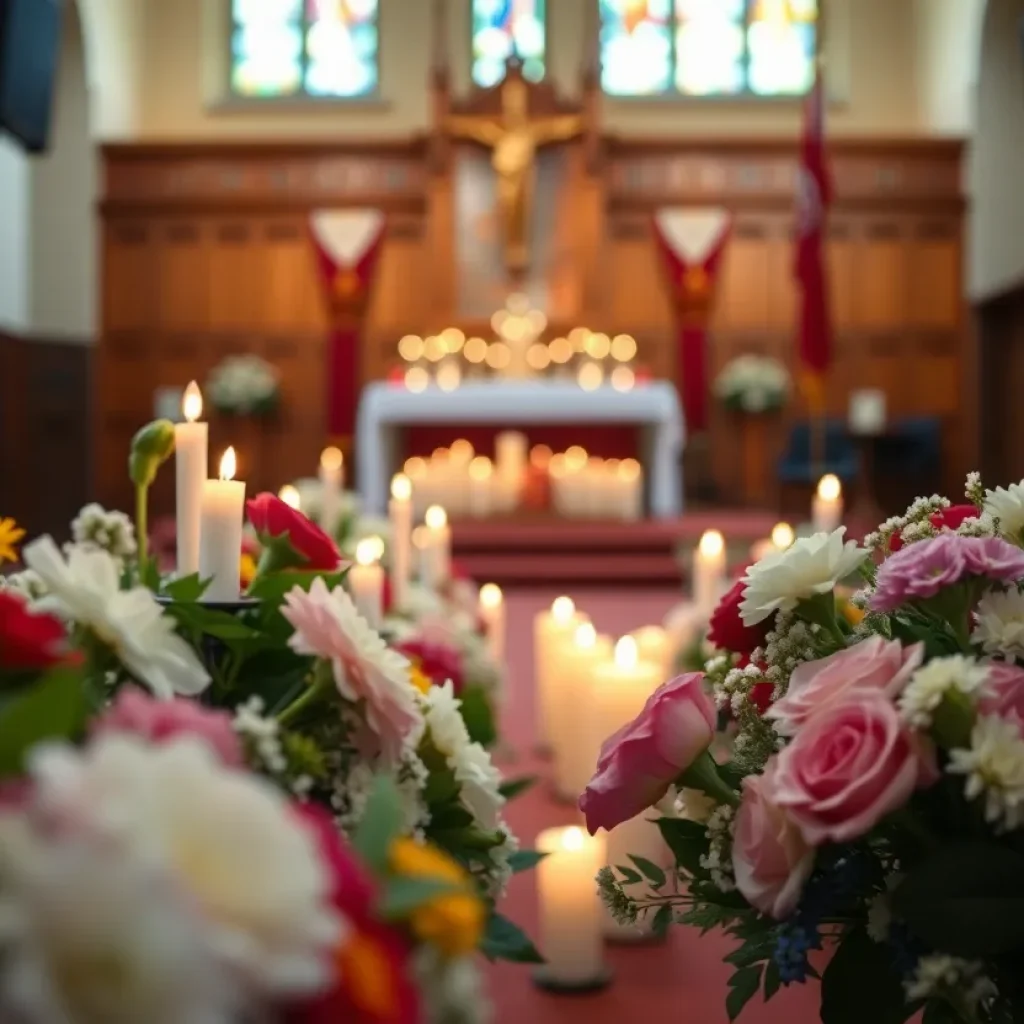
(513, 140)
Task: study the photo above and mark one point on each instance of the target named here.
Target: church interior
(598, 279)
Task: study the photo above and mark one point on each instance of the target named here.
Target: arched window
(708, 47)
(295, 48)
(504, 27)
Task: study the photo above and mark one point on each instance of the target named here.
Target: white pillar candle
(365, 581)
(570, 911)
(510, 457)
(220, 548)
(492, 612)
(481, 487)
(781, 538)
(827, 507)
(631, 475)
(332, 480)
(638, 837)
(436, 555)
(708, 571)
(400, 515)
(191, 445)
(654, 645)
(552, 629)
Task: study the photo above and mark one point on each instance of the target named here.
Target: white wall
(15, 204)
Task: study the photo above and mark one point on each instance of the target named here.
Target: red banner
(347, 245)
(692, 242)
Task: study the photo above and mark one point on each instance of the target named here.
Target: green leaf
(512, 788)
(404, 895)
(743, 986)
(662, 921)
(151, 576)
(966, 899)
(381, 824)
(478, 714)
(450, 816)
(54, 708)
(688, 842)
(211, 621)
(504, 940)
(187, 589)
(650, 871)
(859, 984)
(629, 876)
(275, 585)
(525, 860)
(772, 981)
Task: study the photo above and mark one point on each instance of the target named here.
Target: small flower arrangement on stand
(872, 806)
(244, 386)
(753, 384)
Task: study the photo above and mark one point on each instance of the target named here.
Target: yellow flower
(453, 921)
(10, 535)
(246, 569)
(419, 678)
(852, 613)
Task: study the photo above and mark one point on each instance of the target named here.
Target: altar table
(654, 407)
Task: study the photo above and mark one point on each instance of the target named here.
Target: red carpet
(682, 981)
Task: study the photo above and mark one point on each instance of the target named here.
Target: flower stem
(703, 775)
(142, 526)
(305, 700)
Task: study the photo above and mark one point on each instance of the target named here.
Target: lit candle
(552, 629)
(631, 477)
(781, 538)
(708, 571)
(332, 479)
(492, 612)
(366, 581)
(638, 837)
(400, 514)
(191, 444)
(654, 644)
(436, 555)
(827, 507)
(570, 911)
(220, 547)
(290, 496)
(510, 456)
(481, 481)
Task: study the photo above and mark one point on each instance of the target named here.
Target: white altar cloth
(385, 408)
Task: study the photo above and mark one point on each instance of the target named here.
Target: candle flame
(629, 469)
(462, 450)
(480, 468)
(586, 635)
(228, 465)
(573, 838)
(366, 551)
(192, 402)
(401, 487)
(829, 487)
(290, 496)
(712, 544)
(436, 517)
(332, 459)
(415, 467)
(782, 536)
(490, 595)
(626, 653)
(562, 610)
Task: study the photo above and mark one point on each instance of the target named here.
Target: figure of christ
(513, 141)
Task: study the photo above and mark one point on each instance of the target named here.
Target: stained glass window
(708, 47)
(502, 28)
(322, 48)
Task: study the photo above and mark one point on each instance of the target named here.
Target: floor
(682, 980)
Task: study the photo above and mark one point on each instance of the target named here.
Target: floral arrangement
(872, 801)
(753, 384)
(244, 386)
(149, 744)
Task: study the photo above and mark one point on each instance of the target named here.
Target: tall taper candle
(492, 612)
(437, 555)
(827, 507)
(220, 548)
(366, 581)
(400, 514)
(708, 571)
(332, 480)
(191, 446)
(552, 629)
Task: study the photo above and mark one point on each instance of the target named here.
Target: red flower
(438, 662)
(28, 640)
(273, 519)
(761, 696)
(374, 983)
(946, 518)
(727, 631)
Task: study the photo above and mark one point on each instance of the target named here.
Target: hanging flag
(814, 194)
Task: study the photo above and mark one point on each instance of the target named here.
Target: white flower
(994, 768)
(931, 682)
(444, 720)
(810, 566)
(27, 583)
(111, 531)
(452, 990)
(88, 935)
(230, 840)
(937, 973)
(242, 383)
(480, 784)
(1007, 505)
(85, 589)
(1000, 623)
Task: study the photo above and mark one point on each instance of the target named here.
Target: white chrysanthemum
(110, 531)
(87, 935)
(994, 769)
(27, 583)
(229, 839)
(937, 973)
(1007, 505)
(479, 783)
(444, 720)
(810, 566)
(931, 682)
(1000, 623)
(85, 589)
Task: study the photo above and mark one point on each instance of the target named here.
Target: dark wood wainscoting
(45, 432)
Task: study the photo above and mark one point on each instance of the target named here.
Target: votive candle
(552, 629)
(492, 613)
(436, 554)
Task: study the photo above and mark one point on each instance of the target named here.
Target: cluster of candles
(585, 486)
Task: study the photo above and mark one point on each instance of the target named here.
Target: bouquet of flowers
(872, 803)
(244, 386)
(753, 384)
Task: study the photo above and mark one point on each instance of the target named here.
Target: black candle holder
(542, 980)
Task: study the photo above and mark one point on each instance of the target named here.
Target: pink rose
(159, 721)
(770, 858)
(1004, 694)
(873, 664)
(640, 762)
(850, 766)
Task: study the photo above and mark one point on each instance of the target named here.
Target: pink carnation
(1004, 692)
(135, 711)
(921, 570)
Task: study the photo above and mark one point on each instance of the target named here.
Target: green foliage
(402, 896)
(512, 788)
(525, 860)
(662, 921)
(772, 981)
(650, 871)
(688, 842)
(381, 824)
(151, 447)
(504, 940)
(628, 875)
(54, 708)
(478, 714)
(743, 986)
(186, 589)
(271, 589)
(861, 985)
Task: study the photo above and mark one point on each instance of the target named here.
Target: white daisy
(230, 840)
(931, 682)
(810, 566)
(85, 589)
(1007, 505)
(1000, 623)
(994, 769)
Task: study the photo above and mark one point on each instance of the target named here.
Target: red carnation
(438, 662)
(290, 540)
(945, 519)
(726, 629)
(761, 696)
(28, 640)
